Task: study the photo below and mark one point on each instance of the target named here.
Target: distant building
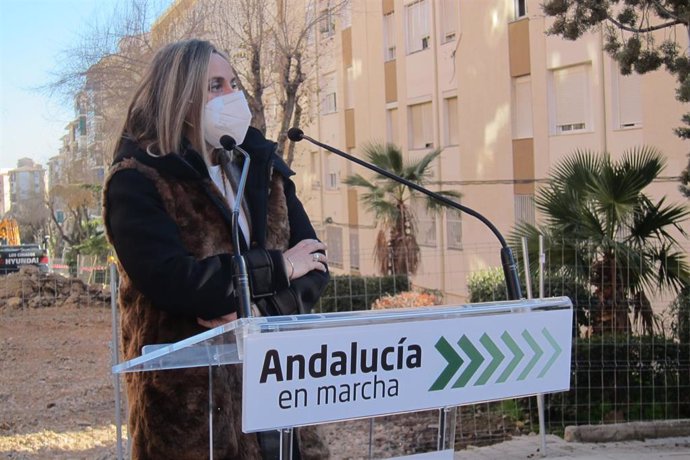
(484, 82)
(4, 192)
(26, 183)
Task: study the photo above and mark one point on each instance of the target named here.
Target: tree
(608, 233)
(98, 75)
(396, 249)
(106, 65)
(268, 43)
(272, 51)
(631, 31)
(32, 218)
(72, 214)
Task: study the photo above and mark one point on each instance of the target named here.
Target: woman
(167, 214)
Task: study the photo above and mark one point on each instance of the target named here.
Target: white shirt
(226, 189)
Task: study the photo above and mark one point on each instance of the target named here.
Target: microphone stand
(240, 276)
(507, 260)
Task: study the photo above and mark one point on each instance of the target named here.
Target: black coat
(170, 227)
(148, 244)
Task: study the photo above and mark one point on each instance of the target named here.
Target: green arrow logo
(496, 359)
(517, 357)
(556, 352)
(537, 354)
(454, 362)
(476, 360)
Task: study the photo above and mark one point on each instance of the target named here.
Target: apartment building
(4, 191)
(27, 183)
(481, 80)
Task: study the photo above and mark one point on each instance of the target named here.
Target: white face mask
(229, 115)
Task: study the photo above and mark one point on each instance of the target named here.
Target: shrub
(407, 299)
(620, 378)
(487, 286)
(351, 293)
(680, 310)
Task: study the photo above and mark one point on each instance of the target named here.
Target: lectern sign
(303, 377)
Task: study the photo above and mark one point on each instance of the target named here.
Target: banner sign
(303, 377)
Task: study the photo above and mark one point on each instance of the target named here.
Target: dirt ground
(56, 391)
(57, 397)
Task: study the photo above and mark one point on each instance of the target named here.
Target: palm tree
(396, 249)
(611, 235)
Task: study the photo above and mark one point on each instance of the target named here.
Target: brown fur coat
(168, 410)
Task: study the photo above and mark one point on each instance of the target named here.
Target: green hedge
(350, 293)
(613, 378)
(616, 379)
(489, 285)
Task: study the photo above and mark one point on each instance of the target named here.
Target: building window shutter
(421, 126)
(627, 99)
(452, 129)
(571, 89)
(522, 108)
(389, 37)
(354, 249)
(350, 88)
(426, 223)
(393, 135)
(328, 94)
(334, 239)
(417, 26)
(454, 229)
(525, 211)
(449, 20)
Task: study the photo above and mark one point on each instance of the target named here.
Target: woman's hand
(215, 322)
(305, 257)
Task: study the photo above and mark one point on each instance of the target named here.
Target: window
(452, 130)
(354, 249)
(346, 16)
(417, 32)
(426, 223)
(420, 119)
(454, 228)
(332, 172)
(449, 20)
(627, 103)
(522, 108)
(309, 19)
(82, 125)
(389, 37)
(328, 96)
(315, 170)
(570, 101)
(327, 27)
(524, 209)
(520, 8)
(334, 240)
(392, 131)
(350, 88)
(328, 103)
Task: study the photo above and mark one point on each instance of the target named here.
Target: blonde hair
(172, 93)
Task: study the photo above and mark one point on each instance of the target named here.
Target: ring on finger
(316, 256)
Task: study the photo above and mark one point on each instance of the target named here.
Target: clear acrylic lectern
(317, 368)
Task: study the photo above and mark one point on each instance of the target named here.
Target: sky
(34, 34)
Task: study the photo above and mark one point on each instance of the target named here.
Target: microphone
(241, 275)
(228, 142)
(507, 260)
(294, 134)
